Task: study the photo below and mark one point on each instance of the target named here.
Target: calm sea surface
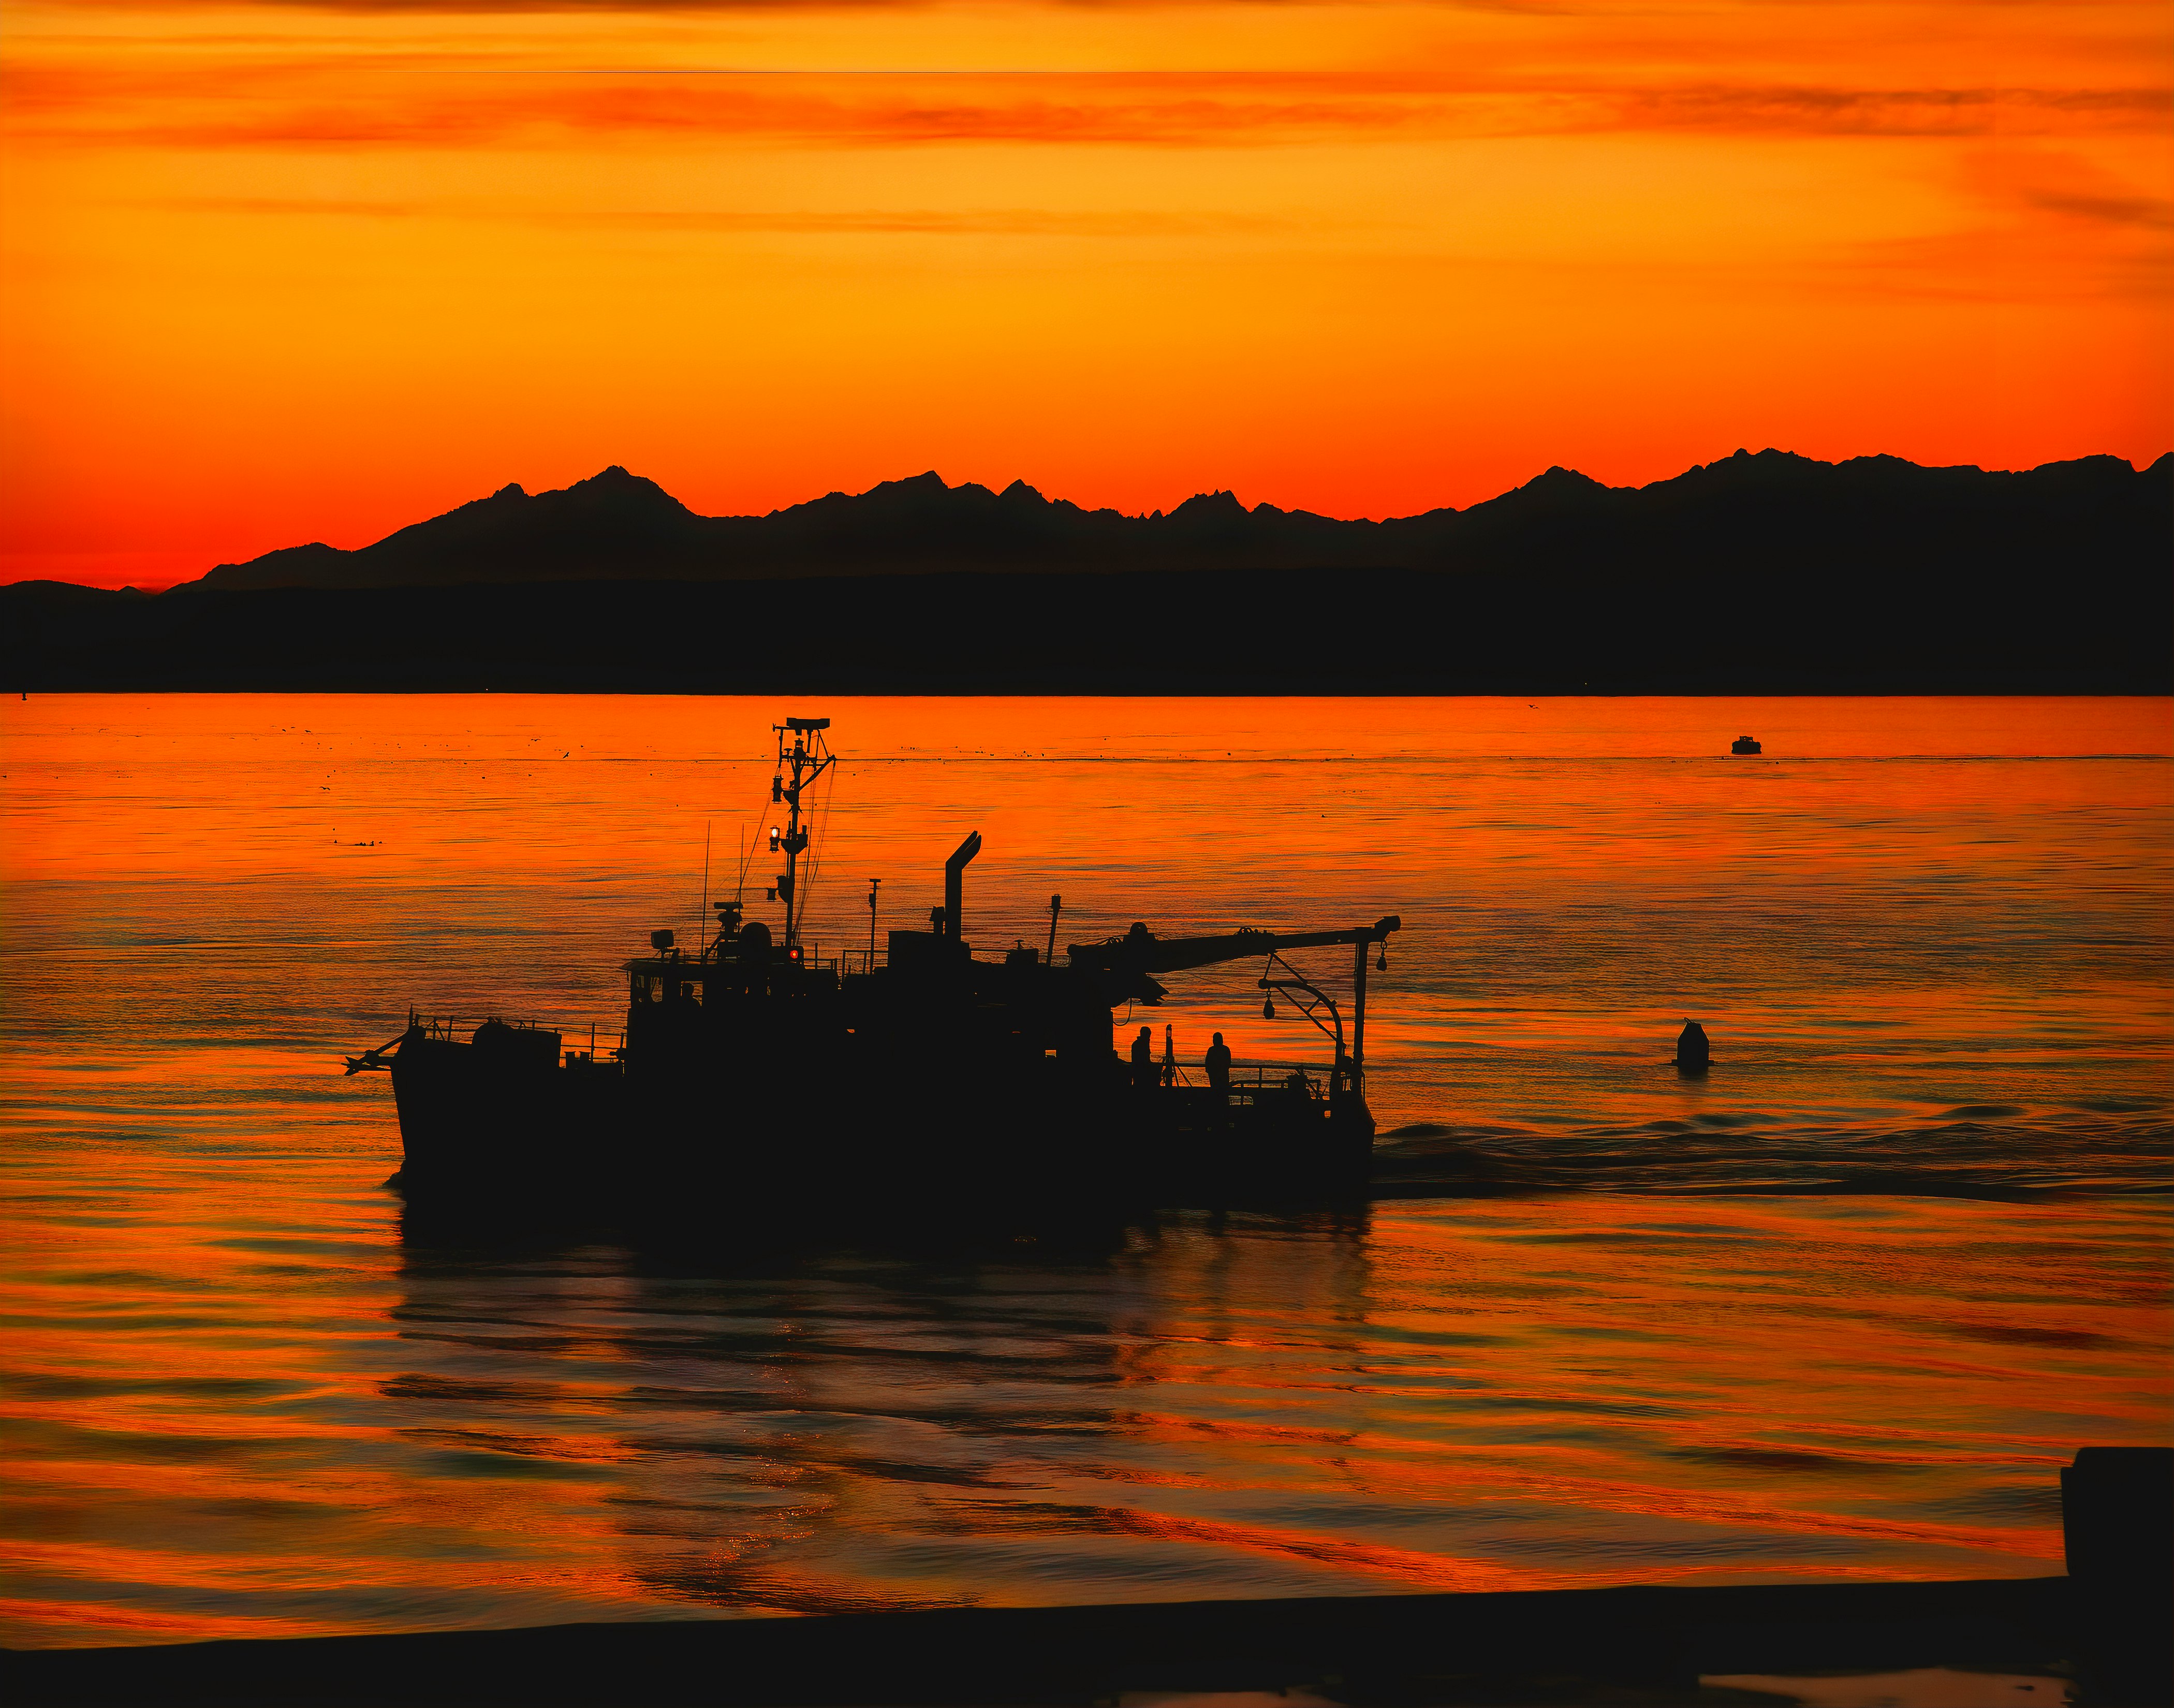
(1837, 1310)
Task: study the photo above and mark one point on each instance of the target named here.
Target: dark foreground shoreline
(1517, 1646)
(2106, 1625)
(1854, 630)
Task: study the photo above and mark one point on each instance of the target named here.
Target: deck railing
(461, 1028)
(1251, 1082)
(703, 961)
(1256, 1079)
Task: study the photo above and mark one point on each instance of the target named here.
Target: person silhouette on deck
(1143, 1061)
(1217, 1062)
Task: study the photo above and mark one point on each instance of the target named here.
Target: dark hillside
(1758, 574)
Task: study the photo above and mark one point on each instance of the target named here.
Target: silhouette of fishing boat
(757, 1064)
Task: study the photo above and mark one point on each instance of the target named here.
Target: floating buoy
(1693, 1053)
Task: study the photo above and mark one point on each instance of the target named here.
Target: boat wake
(1977, 1151)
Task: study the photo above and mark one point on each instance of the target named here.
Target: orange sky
(282, 272)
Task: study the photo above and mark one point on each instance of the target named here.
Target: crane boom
(1140, 951)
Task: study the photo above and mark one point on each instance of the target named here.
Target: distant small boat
(1744, 744)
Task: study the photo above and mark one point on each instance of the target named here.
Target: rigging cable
(816, 840)
(747, 857)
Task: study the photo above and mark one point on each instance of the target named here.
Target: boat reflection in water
(754, 1068)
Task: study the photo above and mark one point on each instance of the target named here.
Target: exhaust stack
(954, 882)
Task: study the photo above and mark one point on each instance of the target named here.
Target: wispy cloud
(343, 103)
(2150, 213)
(2033, 223)
(972, 222)
(639, 8)
(2063, 185)
(1801, 110)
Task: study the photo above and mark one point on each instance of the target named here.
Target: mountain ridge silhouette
(1755, 573)
(618, 526)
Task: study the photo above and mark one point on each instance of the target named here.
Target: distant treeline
(1764, 574)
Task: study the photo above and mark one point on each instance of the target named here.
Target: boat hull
(476, 1123)
(471, 1119)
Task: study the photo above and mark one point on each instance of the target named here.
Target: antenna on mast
(807, 759)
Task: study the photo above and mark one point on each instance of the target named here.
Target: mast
(1358, 1015)
(806, 759)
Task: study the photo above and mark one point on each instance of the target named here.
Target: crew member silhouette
(1169, 1057)
(1143, 1062)
(1217, 1061)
